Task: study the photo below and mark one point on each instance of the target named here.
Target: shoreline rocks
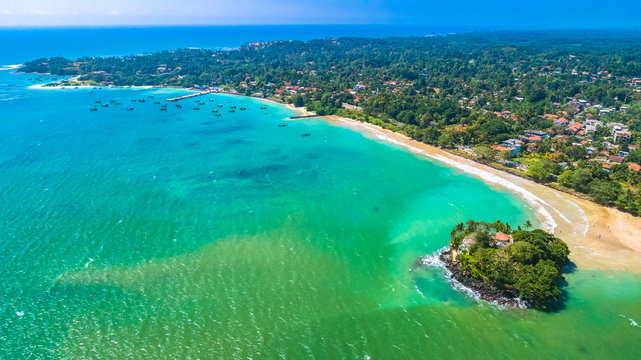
(481, 287)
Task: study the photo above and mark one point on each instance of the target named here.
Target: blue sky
(546, 14)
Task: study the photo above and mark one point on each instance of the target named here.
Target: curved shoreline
(599, 237)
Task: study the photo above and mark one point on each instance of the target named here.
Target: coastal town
(568, 119)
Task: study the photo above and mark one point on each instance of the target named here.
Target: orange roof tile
(633, 166)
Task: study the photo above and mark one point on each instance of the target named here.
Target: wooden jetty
(191, 95)
(303, 117)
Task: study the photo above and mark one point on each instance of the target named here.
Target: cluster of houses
(575, 121)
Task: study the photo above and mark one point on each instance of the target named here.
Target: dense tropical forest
(521, 262)
(559, 107)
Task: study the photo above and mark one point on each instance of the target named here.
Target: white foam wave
(435, 261)
(632, 322)
(10, 67)
(548, 224)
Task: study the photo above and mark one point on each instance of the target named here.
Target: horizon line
(466, 28)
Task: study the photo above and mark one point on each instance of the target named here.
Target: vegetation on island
(563, 108)
(527, 263)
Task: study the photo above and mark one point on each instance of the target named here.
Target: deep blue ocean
(180, 234)
(26, 44)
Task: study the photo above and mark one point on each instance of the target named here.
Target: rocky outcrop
(481, 287)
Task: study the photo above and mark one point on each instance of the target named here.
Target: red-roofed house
(575, 127)
(615, 159)
(499, 148)
(633, 166)
(561, 122)
(502, 239)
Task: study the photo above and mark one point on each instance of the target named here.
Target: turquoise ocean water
(181, 234)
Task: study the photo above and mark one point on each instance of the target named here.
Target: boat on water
(163, 109)
(179, 106)
(133, 100)
(232, 110)
(305, 135)
(142, 100)
(130, 108)
(218, 115)
(156, 102)
(117, 103)
(105, 105)
(98, 101)
(263, 107)
(282, 125)
(196, 108)
(243, 108)
(93, 109)
(220, 106)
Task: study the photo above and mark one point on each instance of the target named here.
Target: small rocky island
(505, 265)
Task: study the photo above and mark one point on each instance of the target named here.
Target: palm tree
(458, 228)
(528, 224)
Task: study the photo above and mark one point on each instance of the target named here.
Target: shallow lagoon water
(179, 234)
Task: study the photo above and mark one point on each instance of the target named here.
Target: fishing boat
(130, 108)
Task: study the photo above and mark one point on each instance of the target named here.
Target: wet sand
(599, 237)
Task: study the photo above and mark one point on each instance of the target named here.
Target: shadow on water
(560, 304)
